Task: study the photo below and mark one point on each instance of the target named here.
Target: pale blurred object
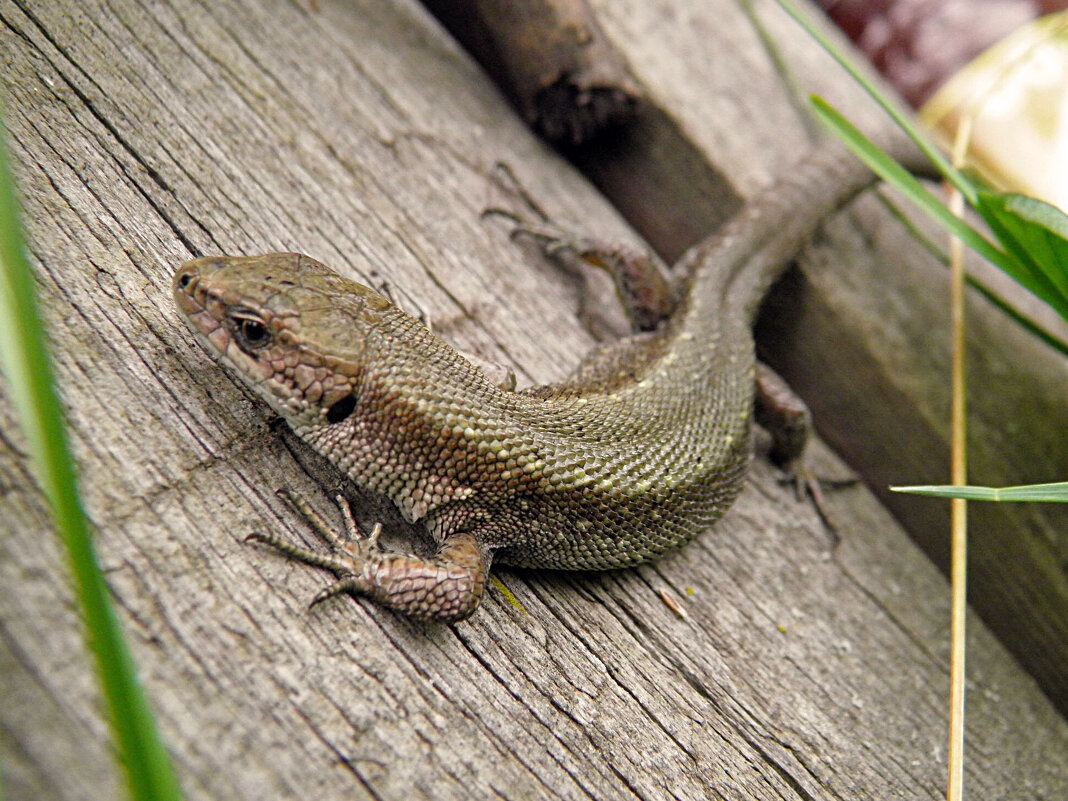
(1016, 94)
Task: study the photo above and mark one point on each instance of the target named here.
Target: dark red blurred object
(918, 44)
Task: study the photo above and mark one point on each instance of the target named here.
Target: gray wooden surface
(864, 339)
(144, 134)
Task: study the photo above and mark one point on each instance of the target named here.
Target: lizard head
(365, 384)
(293, 330)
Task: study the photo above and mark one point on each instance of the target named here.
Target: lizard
(641, 449)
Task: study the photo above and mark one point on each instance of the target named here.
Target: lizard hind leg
(444, 588)
(782, 413)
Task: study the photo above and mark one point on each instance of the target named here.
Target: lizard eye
(251, 333)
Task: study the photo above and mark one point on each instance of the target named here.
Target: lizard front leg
(647, 294)
(444, 588)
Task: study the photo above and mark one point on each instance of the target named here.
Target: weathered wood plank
(361, 135)
(864, 339)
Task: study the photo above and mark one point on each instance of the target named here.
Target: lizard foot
(349, 554)
(444, 588)
(786, 417)
(807, 483)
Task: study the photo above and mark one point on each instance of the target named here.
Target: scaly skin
(642, 449)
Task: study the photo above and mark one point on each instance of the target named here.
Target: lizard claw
(351, 552)
(444, 588)
(554, 240)
(808, 484)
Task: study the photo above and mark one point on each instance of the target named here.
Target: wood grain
(144, 134)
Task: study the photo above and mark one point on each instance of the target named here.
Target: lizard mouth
(192, 284)
(203, 311)
(208, 314)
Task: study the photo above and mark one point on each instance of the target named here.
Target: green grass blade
(1036, 234)
(1027, 324)
(1032, 233)
(24, 358)
(1046, 493)
(900, 178)
(1035, 255)
(928, 148)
